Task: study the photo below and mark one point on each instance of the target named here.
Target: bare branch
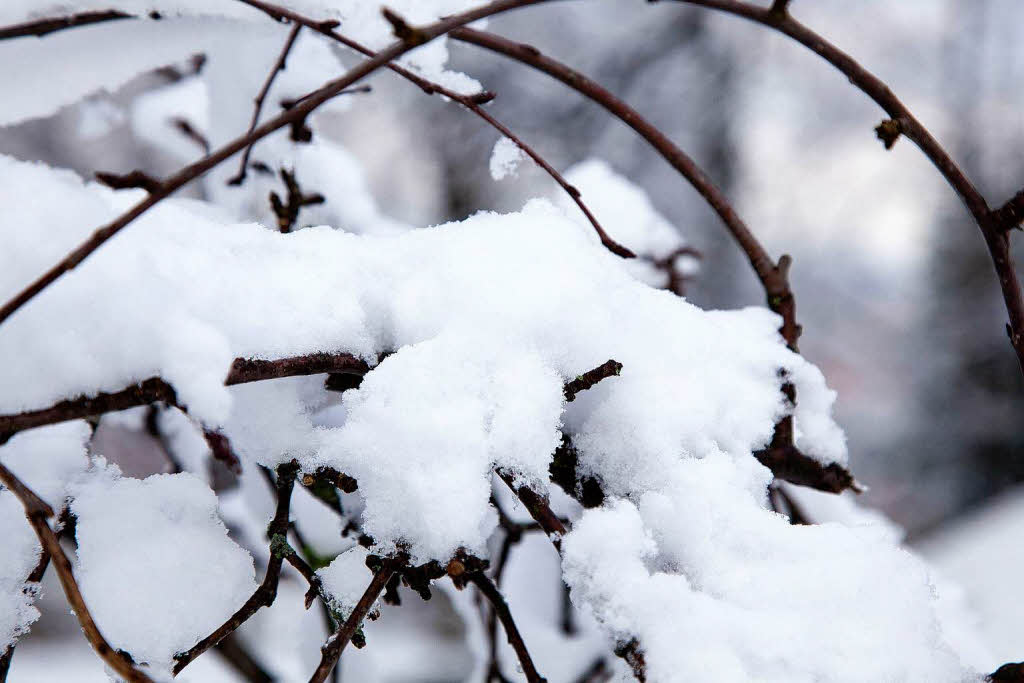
(332, 649)
(515, 639)
(134, 179)
(279, 65)
(37, 512)
(538, 508)
(610, 368)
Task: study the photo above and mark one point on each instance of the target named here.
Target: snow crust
(156, 566)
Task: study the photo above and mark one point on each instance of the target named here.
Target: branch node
(402, 30)
(888, 131)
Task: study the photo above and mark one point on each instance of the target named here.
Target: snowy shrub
(470, 407)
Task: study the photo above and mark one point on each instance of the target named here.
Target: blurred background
(896, 294)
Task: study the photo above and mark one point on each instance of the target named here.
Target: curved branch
(298, 112)
(471, 102)
(37, 512)
(154, 389)
(902, 121)
(773, 277)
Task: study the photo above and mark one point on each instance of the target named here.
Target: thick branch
(154, 389)
(37, 512)
(297, 113)
(332, 649)
(515, 639)
(267, 591)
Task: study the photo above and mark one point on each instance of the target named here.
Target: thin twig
(332, 649)
(515, 639)
(265, 594)
(279, 65)
(774, 277)
(471, 102)
(610, 368)
(297, 113)
(37, 512)
(42, 27)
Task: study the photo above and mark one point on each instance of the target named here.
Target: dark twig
(243, 370)
(42, 27)
(610, 368)
(500, 608)
(538, 508)
(267, 591)
(152, 424)
(37, 512)
(287, 211)
(279, 65)
(234, 652)
(471, 102)
(134, 179)
(793, 466)
(332, 649)
(783, 503)
(285, 118)
(185, 127)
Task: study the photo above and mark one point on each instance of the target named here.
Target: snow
(719, 591)
(156, 566)
(471, 329)
(977, 557)
(626, 212)
(45, 460)
(505, 158)
(345, 580)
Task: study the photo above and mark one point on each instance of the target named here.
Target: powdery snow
(156, 566)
